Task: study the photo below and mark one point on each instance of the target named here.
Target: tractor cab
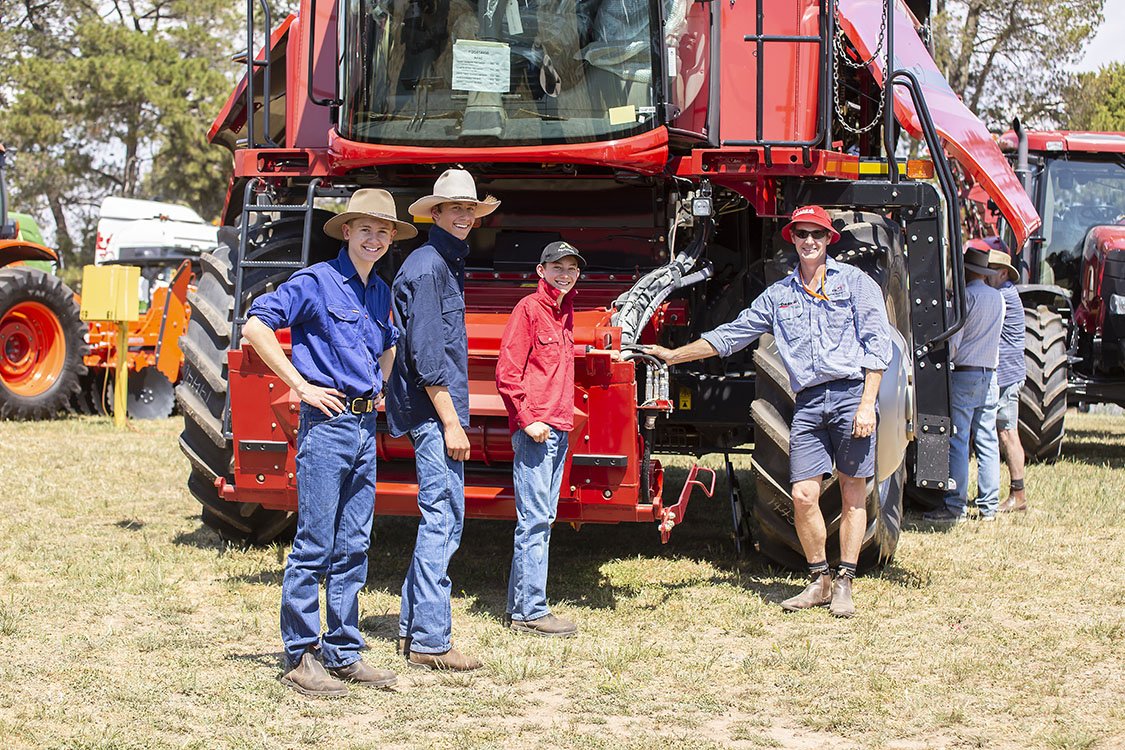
(501, 72)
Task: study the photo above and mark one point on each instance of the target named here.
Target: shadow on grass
(579, 558)
(203, 537)
(1094, 447)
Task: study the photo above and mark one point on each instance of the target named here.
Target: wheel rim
(32, 349)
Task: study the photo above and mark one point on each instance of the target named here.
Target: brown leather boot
(816, 594)
(310, 678)
(452, 660)
(365, 674)
(547, 625)
(1013, 503)
(842, 605)
(402, 648)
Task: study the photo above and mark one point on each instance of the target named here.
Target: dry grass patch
(126, 624)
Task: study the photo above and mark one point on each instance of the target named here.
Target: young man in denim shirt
(343, 344)
(535, 378)
(832, 332)
(428, 399)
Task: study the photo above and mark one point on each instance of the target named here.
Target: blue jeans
(537, 475)
(974, 400)
(426, 618)
(335, 504)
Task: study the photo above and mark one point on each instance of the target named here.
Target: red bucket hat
(810, 215)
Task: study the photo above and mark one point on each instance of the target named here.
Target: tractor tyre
(42, 342)
(1043, 397)
(771, 514)
(202, 391)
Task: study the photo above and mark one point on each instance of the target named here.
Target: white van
(137, 231)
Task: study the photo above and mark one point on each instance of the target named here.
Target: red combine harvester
(669, 141)
(1074, 277)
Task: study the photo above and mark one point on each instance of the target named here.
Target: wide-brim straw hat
(369, 203)
(976, 260)
(454, 186)
(998, 260)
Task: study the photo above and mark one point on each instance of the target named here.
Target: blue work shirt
(977, 343)
(1012, 368)
(428, 295)
(339, 325)
(819, 340)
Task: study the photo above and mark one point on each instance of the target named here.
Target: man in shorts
(1010, 372)
(832, 332)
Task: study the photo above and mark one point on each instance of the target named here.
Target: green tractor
(42, 338)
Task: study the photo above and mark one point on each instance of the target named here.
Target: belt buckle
(355, 406)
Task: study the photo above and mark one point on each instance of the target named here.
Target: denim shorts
(821, 434)
(1008, 415)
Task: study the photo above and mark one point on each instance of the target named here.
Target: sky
(1106, 47)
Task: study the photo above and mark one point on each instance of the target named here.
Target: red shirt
(535, 371)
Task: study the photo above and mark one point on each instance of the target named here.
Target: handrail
(335, 102)
(945, 179)
(251, 63)
(823, 41)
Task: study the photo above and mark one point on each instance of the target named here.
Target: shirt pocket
(792, 321)
(453, 307)
(840, 317)
(347, 324)
(548, 348)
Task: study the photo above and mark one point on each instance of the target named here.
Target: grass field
(124, 623)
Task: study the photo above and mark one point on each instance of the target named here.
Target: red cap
(810, 215)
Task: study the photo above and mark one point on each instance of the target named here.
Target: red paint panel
(789, 95)
(646, 153)
(965, 137)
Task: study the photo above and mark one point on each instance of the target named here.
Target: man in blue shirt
(1010, 372)
(428, 399)
(338, 313)
(974, 396)
(834, 339)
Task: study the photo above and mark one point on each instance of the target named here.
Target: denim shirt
(1012, 368)
(819, 340)
(339, 325)
(428, 296)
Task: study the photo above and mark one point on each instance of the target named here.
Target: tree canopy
(1096, 101)
(113, 98)
(1013, 57)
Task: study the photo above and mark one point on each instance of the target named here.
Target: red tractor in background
(669, 141)
(1073, 270)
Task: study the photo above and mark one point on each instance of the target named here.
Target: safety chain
(841, 53)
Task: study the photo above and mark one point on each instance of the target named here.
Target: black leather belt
(361, 405)
(972, 368)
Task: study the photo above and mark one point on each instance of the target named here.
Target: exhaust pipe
(1023, 170)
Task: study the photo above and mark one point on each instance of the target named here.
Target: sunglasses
(803, 234)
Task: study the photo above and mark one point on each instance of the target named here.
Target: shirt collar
(347, 269)
(449, 247)
(831, 266)
(549, 296)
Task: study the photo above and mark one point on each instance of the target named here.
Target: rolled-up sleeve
(424, 331)
(292, 303)
(872, 326)
(745, 329)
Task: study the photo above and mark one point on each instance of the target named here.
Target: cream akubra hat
(370, 203)
(454, 186)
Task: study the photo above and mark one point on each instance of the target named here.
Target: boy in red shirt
(535, 378)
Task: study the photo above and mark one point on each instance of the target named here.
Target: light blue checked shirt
(819, 340)
(977, 344)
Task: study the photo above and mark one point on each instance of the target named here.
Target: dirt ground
(125, 623)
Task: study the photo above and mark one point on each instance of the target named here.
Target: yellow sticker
(685, 399)
(623, 115)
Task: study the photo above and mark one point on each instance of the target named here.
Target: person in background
(1010, 372)
(974, 396)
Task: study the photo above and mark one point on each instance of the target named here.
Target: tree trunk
(64, 243)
